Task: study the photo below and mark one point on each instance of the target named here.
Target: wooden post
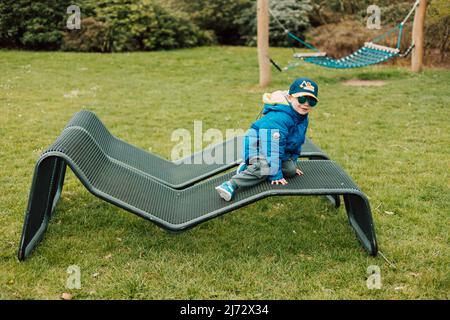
(263, 43)
(418, 37)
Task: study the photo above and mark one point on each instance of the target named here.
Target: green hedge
(130, 25)
(107, 25)
(222, 17)
(32, 24)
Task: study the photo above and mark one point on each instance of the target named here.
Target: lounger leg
(60, 173)
(45, 191)
(360, 218)
(335, 200)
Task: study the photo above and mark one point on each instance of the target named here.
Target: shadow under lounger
(172, 209)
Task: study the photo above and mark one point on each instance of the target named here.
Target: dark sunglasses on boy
(311, 101)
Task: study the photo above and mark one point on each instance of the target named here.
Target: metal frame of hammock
(369, 54)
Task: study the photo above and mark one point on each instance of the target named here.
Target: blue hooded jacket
(283, 137)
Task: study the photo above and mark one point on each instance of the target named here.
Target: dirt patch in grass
(364, 83)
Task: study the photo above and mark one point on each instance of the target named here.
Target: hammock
(371, 53)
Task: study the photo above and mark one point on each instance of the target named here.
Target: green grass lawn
(392, 140)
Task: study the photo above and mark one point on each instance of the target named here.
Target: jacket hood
(278, 101)
(277, 97)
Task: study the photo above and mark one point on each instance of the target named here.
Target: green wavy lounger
(184, 172)
(178, 174)
(128, 186)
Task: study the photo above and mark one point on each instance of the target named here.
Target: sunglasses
(311, 101)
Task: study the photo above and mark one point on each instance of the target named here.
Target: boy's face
(303, 109)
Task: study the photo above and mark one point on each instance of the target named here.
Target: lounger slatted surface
(184, 172)
(136, 191)
(179, 174)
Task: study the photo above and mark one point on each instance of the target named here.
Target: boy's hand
(281, 181)
(299, 172)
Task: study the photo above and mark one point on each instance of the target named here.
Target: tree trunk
(263, 43)
(418, 37)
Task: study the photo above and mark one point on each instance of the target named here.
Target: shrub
(91, 37)
(107, 25)
(437, 29)
(32, 24)
(292, 14)
(129, 25)
(222, 17)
